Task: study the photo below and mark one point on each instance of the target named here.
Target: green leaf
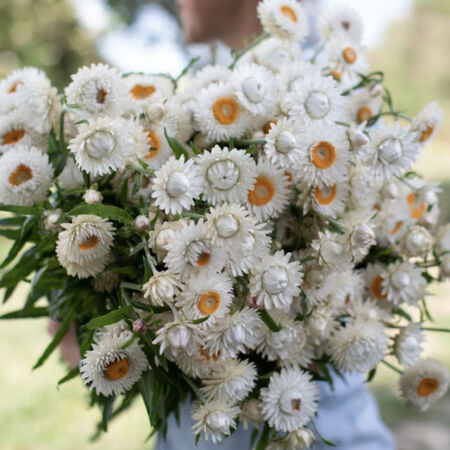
(199, 321)
(86, 342)
(101, 210)
(10, 234)
(177, 149)
(21, 210)
(70, 375)
(371, 375)
(108, 319)
(58, 337)
(267, 319)
(107, 411)
(37, 276)
(26, 313)
(145, 388)
(264, 438)
(403, 313)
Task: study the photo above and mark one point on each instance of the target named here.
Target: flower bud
(51, 218)
(92, 197)
(417, 241)
(363, 236)
(179, 336)
(358, 139)
(140, 326)
(161, 288)
(141, 223)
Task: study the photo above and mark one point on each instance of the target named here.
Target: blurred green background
(34, 415)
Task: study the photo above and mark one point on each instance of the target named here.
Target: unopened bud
(363, 236)
(92, 197)
(142, 223)
(140, 326)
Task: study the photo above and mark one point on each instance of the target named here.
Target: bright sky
(150, 45)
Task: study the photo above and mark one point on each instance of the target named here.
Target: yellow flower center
(375, 288)
(206, 355)
(203, 259)
(296, 403)
(268, 125)
(336, 75)
(226, 110)
(209, 302)
(349, 54)
(154, 144)
(427, 386)
(397, 227)
(141, 92)
(416, 211)
(427, 132)
(13, 136)
(326, 195)
(101, 96)
(289, 13)
(364, 113)
(117, 369)
(89, 243)
(21, 175)
(323, 155)
(263, 191)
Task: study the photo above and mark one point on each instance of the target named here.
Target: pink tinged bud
(141, 223)
(363, 236)
(140, 326)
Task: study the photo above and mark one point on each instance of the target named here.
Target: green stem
(395, 369)
(441, 330)
(249, 142)
(317, 53)
(240, 54)
(402, 180)
(132, 286)
(268, 320)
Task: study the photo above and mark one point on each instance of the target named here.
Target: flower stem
(253, 44)
(395, 369)
(441, 330)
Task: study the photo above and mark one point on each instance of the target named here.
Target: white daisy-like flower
(206, 297)
(292, 72)
(275, 281)
(325, 155)
(99, 90)
(179, 335)
(330, 200)
(315, 285)
(346, 286)
(360, 231)
(83, 248)
(426, 123)
(198, 365)
(404, 283)
(359, 346)
(191, 252)
(393, 220)
(160, 237)
(316, 99)
(104, 145)
(375, 275)
(365, 187)
(227, 175)
(283, 143)
(340, 20)
(332, 250)
(110, 369)
(162, 287)
(215, 419)
(408, 344)
(256, 88)
(417, 241)
(176, 185)
(25, 176)
(276, 54)
(290, 400)
(210, 74)
(270, 193)
(424, 383)
(392, 150)
(71, 177)
(363, 106)
(234, 333)
(231, 382)
(321, 324)
(16, 132)
(219, 114)
(284, 19)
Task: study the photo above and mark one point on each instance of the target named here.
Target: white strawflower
(234, 333)
(198, 365)
(104, 145)
(25, 176)
(92, 197)
(330, 200)
(417, 241)
(314, 283)
(408, 344)
(160, 237)
(215, 419)
(362, 107)
(210, 74)
(359, 346)
(442, 244)
(52, 219)
(424, 383)
(361, 236)
(345, 286)
(99, 90)
(71, 177)
(110, 369)
(368, 310)
(426, 123)
(232, 381)
(339, 20)
(209, 297)
(256, 88)
(321, 324)
(284, 19)
(290, 400)
(227, 175)
(141, 223)
(176, 185)
(303, 438)
(83, 248)
(191, 252)
(375, 275)
(332, 250)
(275, 281)
(269, 195)
(162, 288)
(179, 335)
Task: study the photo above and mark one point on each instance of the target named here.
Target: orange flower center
(21, 175)
(101, 96)
(350, 55)
(155, 144)
(13, 88)
(415, 210)
(263, 191)
(268, 125)
(117, 369)
(209, 302)
(13, 136)
(427, 133)
(289, 13)
(375, 288)
(141, 92)
(397, 227)
(336, 75)
(226, 110)
(296, 403)
(364, 113)
(326, 195)
(427, 386)
(203, 259)
(323, 155)
(89, 243)
(206, 355)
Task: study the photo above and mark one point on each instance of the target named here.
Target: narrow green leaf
(10, 234)
(86, 342)
(21, 210)
(264, 438)
(107, 411)
(58, 337)
(70, 375)
(37, 276)
(177, 149)
(145, 388)
(101, 210)
(108, 319)
(28, 313)
(371, 375)
(201, 320)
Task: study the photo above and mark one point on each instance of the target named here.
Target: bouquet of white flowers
(231, 234)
